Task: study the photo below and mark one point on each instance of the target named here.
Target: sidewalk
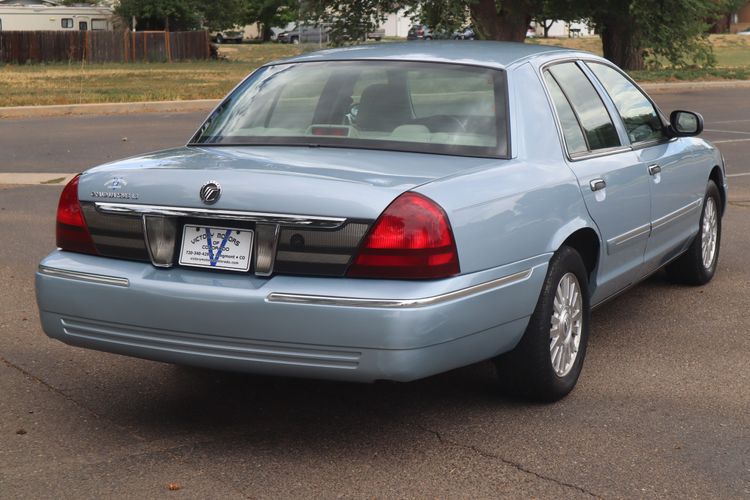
(206, 105)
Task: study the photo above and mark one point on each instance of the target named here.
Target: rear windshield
(398, 106)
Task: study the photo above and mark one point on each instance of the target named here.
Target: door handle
(597, 184)
(654, 169)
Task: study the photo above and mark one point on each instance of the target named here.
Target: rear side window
(587, 105)
(572, 132)
(641, 120)
(98, 24)
(66, 23)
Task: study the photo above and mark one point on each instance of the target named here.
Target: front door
(676, 197)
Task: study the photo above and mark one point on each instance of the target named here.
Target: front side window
(98, 24)
(66, 23)
(587, 105)
(642, 122)
(391, 105)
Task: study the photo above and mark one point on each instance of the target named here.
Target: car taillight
(72, 232)
(420, 32)
(412, 239)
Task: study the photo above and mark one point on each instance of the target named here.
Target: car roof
(476, 53)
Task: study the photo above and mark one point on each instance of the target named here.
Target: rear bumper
(359, 330)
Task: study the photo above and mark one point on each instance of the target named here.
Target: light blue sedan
(390, 212)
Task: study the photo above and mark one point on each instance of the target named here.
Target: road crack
(65, 396)
(475, 449)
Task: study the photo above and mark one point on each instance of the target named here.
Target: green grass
(37, 84)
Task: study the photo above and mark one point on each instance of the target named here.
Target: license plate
(216, 247)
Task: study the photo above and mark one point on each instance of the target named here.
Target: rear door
(615, 187)
(676, 197)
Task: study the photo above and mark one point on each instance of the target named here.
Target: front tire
(547, 362)
(698, 265)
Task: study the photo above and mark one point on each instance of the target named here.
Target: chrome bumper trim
(323, 300)
(88, 277)
(207, 213)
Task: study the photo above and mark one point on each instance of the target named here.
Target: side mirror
(685, 124)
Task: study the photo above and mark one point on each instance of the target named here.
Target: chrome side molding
(208, 213)
(618, 242)
(680, 212)
(323, 300)
(99, 279)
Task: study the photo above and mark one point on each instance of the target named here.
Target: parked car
(376, 35)
(386, 212)
(464, 34)
(423, 32)
(746, 31)
(233, 36)
(305, 34)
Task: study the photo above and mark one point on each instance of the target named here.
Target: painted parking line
(729, 121)
(726, 131)
(726, 141)
(34, 179)
(743, 174)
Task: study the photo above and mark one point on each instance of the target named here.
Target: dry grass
(41, 84)
(76, 83)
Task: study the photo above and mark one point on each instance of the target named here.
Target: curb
(206, 105)
(661, 87)
(124, 108)
(34, 179)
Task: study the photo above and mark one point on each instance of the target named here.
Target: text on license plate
(216, 247)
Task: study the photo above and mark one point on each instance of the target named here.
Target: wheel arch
(585, 240)
(717, 176)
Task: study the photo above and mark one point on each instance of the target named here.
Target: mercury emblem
(210, 192)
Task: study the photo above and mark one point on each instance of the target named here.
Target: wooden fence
(20, 47)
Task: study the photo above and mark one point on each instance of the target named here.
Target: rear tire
(547, 362)
(219, 39)
(698, 265)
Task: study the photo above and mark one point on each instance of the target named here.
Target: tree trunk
(621, 42)
(547, 27)
(266, 33)
(507, 23)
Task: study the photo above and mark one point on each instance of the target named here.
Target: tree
(168, 15)
(270, 13)
(492, 19)
(636, 33)
(506, 20)
(219, 15)
(349, 20)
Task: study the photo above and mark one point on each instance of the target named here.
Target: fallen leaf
(173, 486)
(21, 432)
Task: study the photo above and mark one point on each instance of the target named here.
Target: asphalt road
(661, 409)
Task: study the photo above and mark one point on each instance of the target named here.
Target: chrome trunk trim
(207, 213)
(99, 279)
(323, 300)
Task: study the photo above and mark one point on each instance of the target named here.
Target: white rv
(42, 15)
